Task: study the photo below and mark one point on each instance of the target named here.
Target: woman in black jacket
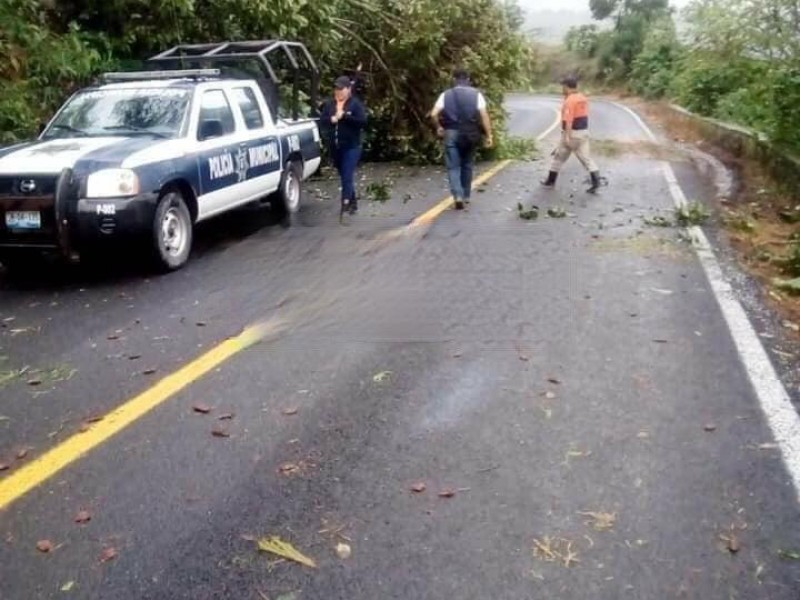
(343, 119)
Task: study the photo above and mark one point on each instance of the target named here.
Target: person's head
(342, 88)
(461, 77)
(569, 85)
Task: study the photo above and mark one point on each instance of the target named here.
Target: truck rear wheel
(172, 231)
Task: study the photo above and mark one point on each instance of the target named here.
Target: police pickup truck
(143, 157)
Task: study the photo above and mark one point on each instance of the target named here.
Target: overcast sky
(573, 4)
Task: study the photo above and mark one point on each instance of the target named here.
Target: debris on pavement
(290, 411)
(731, 542)
(789, 554)
(382, 376)
(201, 408)
(528, 215)
(44, 546)
(67, 587)
(600, 521)
(343, 551)
(709, 427)
(555, 550)
(83, 516)
(108, 554)
(220, 432)
(226, 416)
(419, 487)
(289, 468)
(556, 212)
(447, 493)
(275, 545)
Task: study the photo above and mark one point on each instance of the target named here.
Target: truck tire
(171, 237)
(286, 201)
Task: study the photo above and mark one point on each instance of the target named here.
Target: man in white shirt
(462, 120)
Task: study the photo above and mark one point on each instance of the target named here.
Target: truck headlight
(112, 183)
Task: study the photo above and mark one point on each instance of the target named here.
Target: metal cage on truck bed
(276, 61)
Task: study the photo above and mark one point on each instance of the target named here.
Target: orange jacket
(575, 111)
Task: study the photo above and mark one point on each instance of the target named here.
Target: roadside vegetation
(407, 50)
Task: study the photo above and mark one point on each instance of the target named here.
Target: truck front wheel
(286, 201)
(171, 238)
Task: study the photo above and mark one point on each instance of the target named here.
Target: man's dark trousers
(460, 160)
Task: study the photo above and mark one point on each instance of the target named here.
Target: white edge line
(776, 405)
(552, 127)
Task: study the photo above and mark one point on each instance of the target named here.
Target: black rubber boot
(595, 176)
(551, 179)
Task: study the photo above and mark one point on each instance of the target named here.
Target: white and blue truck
(140, 158)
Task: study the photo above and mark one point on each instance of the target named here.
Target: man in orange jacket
(574, 135)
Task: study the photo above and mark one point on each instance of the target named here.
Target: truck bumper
(61, 222)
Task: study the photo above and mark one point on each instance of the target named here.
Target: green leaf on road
(275, 545)
(556, 212)
(789, 554)
(382, 376)
(68, 586)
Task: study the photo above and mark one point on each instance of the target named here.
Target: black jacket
(347, 133)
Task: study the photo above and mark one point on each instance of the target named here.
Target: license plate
(24, 219)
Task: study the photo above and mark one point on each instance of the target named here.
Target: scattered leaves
(290, 411)
(789, 554)
(201, 408)
(382, 376)
(658, 221)
(289, 468)
(731, 542)
(447, 493)
(528, 215)
(83, 516)
(555, 550)
(549, 395)
(226, 416)
(44, 546)
(67, 586)
(419, 487)
(600, 521)
(4, 466)
(220, 432)
(108, 554)
(554, 380)
(149, 371)
(275, 545)
(22, 453)
(709, 427)
(343, 551)
(556, 212)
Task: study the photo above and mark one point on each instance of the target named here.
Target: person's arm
(356, 114)
(436, 113)
(486, 120)
(568, 121)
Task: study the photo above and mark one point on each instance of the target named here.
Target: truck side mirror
(211, 128)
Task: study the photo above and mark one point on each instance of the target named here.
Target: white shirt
(439, 106)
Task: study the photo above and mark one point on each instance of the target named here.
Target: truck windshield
(128, 111)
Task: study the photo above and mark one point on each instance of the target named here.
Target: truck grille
(36, 193)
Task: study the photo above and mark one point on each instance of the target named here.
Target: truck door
(222, 172)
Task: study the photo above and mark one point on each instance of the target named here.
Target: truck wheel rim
(173, 232)
(292, 192)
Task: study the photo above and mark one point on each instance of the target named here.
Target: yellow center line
(36, 472)
(433, 213)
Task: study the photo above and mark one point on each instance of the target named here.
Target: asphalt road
(570, 382)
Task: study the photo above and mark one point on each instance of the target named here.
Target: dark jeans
(459, 161)
(346, 161)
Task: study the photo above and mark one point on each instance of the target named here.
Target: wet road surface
(568, 384)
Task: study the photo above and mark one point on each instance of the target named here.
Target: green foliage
(654, 68)
(39, 67)
(693, 213)
(408, 50)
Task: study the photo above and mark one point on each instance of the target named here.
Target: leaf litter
(550, 549)
(600, 521)
(275, 545)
